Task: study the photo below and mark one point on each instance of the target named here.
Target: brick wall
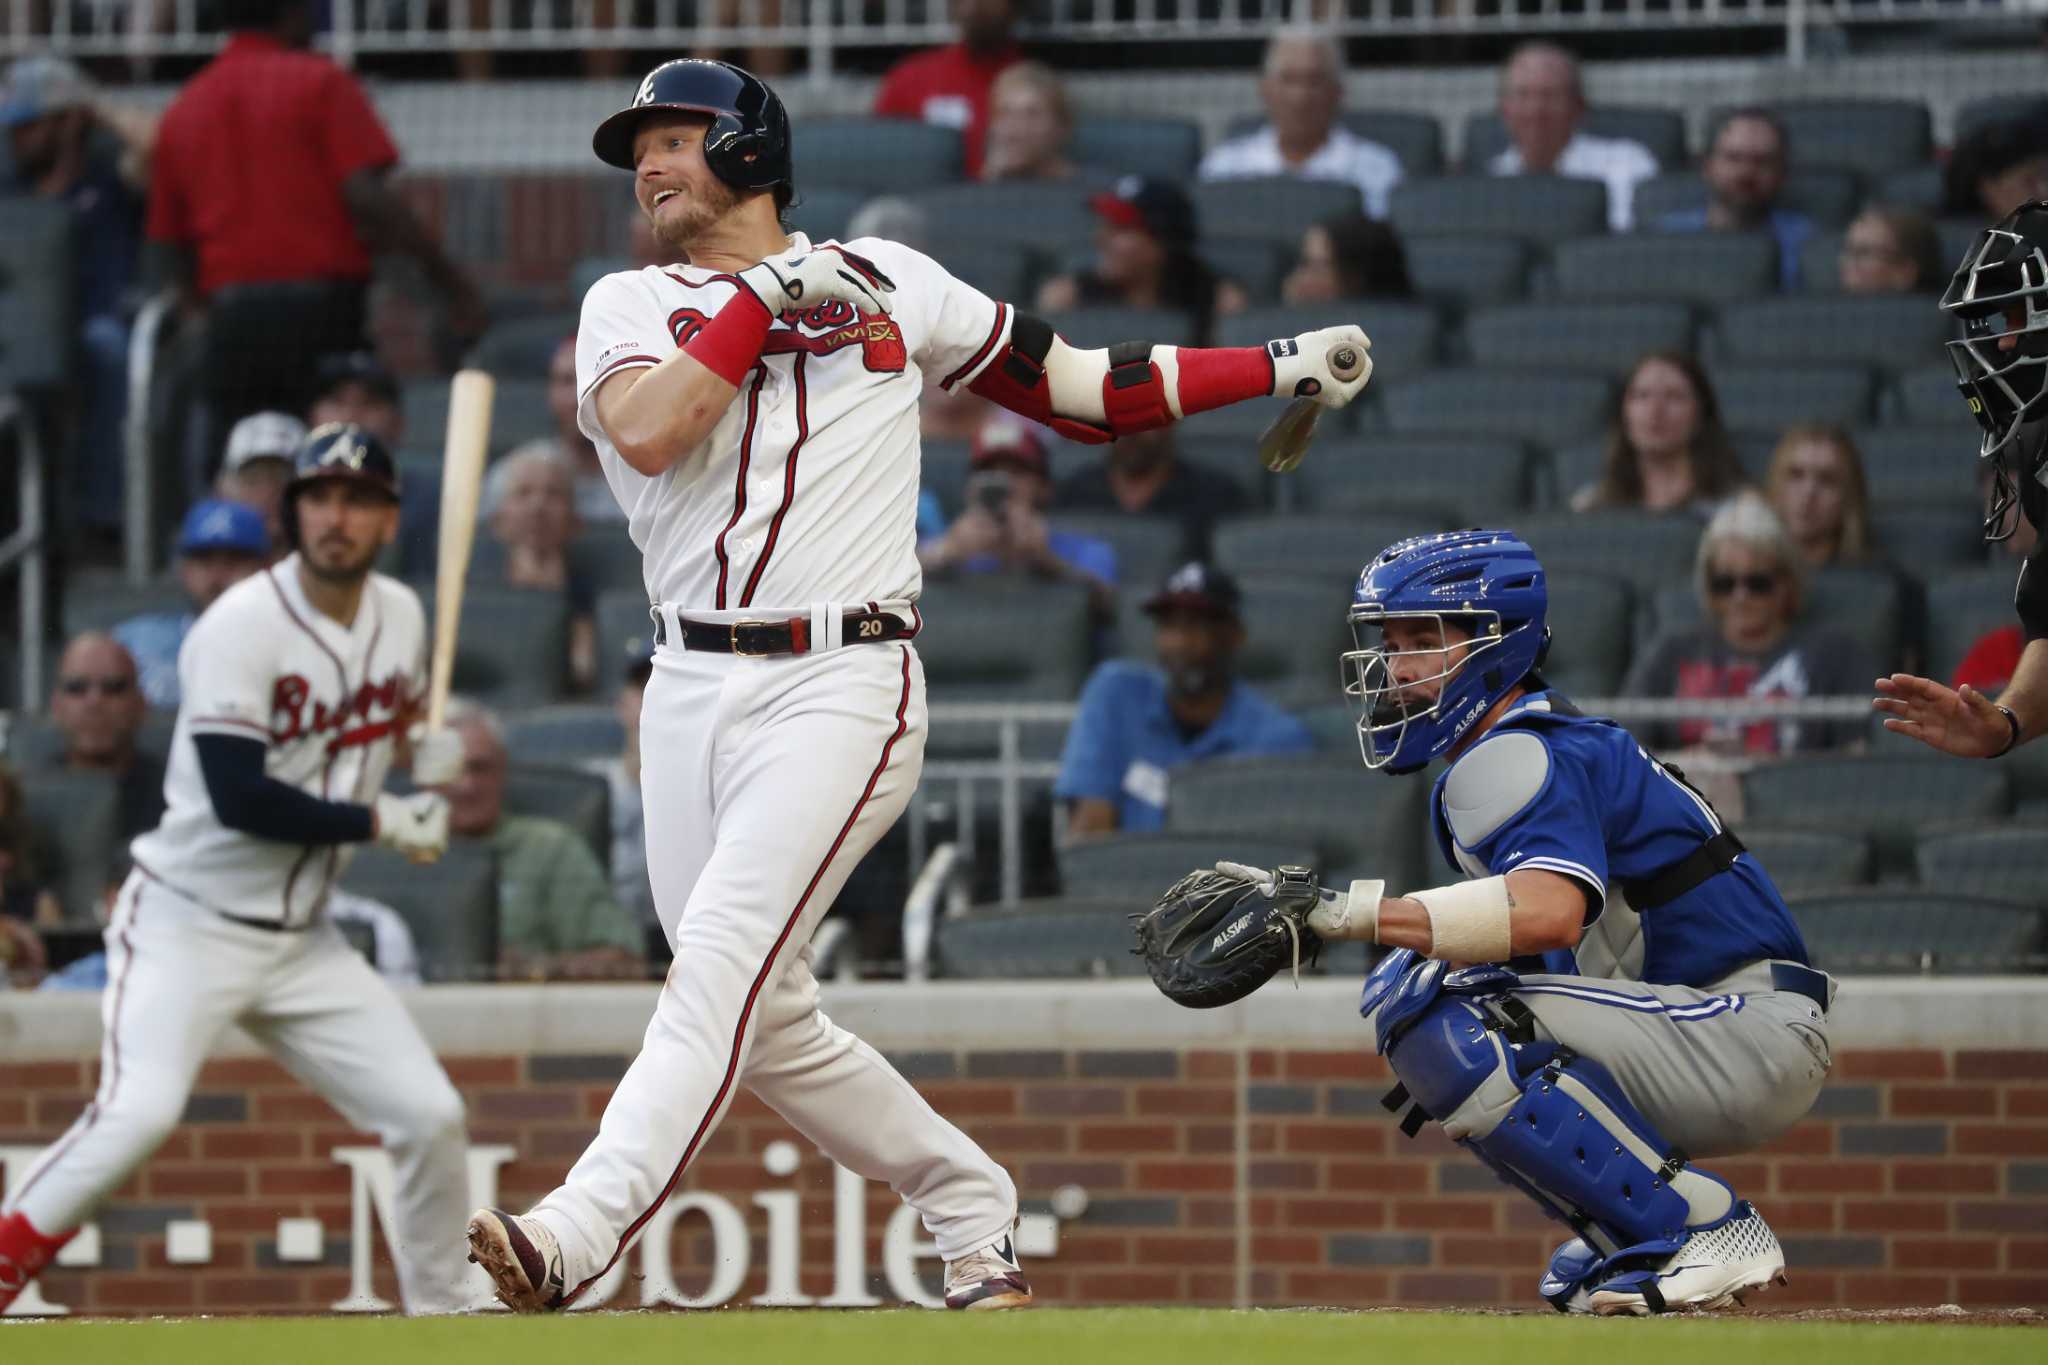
(1921, 1179)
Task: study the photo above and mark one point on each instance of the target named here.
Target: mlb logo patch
(1280, 350)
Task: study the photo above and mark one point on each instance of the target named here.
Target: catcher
(1616, 990)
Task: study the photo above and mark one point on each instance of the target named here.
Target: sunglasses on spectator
(109, 686)
(1755, 584)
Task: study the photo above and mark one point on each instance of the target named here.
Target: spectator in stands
(950, 86)
(99, 709)
(221, 544)
(25, 901)
(1744, 171)
(1988, 665)
(1998, 167)
(1891, 250)
(93, 159)
(1003, 528)
(1135, 724)
(269, 194)
(1666, 448)
(556, 915)
(630, 887)
(529, 504)
(257, 466)
(1302, 87)
(1541, 105)
(1029, 124)
(1143, 475)
(1750, 576)
(1817, 488)
(596, 504)
(1145, 258)
(1348, 257)
(88, 971)
(354, 386)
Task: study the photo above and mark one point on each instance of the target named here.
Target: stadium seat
(1405, 336)
(822, 214)
(1521, 405)
(1589, 618)
(1891, 331)
(1921, 464)
(1166, 147)
(1001, 270)
(1147, 548)
(1468, 271)
(876, 155)
(451, 905)
(1962, 606)
(1820, 264)
(1886, 799)
(35, 292)
(1660, 131)
(1594, 336)
(942, 469)
(1927, 397)
(1334, 727)
(1763, 398)
(1416, 140)
(1294, 633)
(73, 820)
(1360, 823)
(1806, 860)
(1703, 268)
(1829, 197)
(1481, 480)
(581, 800)
(424, 404)
(1093, 328)
(101, 601)
(1910, 929)
(1318, 548)
(1269, 208)
(1974, 114)
(520, 412)
(1136, 869)
(521, 348)
(607, 556)
(1543, 209)
(1254, 266)
(993, 639)
(1644, 549)
(1932, 539)
(1569, 468)
(1052, 938)
(514, 647)
(563, 736)
(1047, 219)
(1868, 137)
(1915, 187)
(2007, 864)
(623, 628)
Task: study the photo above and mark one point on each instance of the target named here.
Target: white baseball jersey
(263, 663)
(806, 490)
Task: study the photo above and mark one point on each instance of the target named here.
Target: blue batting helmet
(1486, 583)
(338, 450)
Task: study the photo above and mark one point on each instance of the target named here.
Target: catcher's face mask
(2000, 294)
(1410, 682)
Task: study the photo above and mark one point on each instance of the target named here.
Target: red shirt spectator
(250, 162)
(1989, 665)
(949, 85)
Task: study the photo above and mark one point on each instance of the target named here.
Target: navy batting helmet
(747, 145)
(339, 450)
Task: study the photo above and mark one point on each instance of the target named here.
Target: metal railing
(153, 28)
(24, 550)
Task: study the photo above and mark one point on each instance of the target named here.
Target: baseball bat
(1285, 442)
(462, 475)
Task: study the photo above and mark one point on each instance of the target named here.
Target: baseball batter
(756, 414)
(297, 684)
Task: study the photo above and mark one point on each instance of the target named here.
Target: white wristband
(1352, 914)
(1469, 921)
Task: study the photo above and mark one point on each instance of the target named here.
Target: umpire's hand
(1963, 722)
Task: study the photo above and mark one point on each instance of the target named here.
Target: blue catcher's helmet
(1487, 583)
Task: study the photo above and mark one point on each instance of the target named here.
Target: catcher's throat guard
(1215, 937)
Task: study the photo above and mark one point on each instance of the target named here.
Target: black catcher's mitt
(1216, 936)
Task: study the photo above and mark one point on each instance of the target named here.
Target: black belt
(1667, 884)
(753, 639)
(1790, 976)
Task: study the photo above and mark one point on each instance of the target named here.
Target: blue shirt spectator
(221, 544)
(1136, 724)
(1744, 171)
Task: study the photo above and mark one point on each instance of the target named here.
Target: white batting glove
(415, 825)
(1301, 365)
(807, 279)
(436, 756)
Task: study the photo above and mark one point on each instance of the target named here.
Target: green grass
(1120, 1336)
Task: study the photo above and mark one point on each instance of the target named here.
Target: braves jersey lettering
(806, 490)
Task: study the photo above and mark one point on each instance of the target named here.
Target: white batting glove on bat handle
(415, 825)
(436, 756)
(1307, 366)
(806, 279)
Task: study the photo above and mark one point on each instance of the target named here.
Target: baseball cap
(217, 524)
(1158, 207)
(1197, 585)
(1002, 443)
(355, 367)
(263, 436)
(39, 86)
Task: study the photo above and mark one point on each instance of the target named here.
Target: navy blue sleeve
(246, 799)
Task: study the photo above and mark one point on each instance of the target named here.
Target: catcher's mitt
(1219, 934)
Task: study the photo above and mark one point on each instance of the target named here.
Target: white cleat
(522, 1258)
(987, 1279)
(1718, 1265)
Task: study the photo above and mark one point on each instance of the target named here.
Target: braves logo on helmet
(338, 450)
(747, 144)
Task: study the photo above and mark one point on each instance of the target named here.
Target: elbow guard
(1088, 396)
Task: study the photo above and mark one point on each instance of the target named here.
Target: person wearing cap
(93, 159)
(1003, 529)
(257, 465)
(354, 386)
(221, 544)
(1135, 724)
(1302, 87)
(1145, 258)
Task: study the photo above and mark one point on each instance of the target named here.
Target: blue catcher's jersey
(1553, 789)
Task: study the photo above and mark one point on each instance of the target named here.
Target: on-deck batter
(755, 412)
(296, 686)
